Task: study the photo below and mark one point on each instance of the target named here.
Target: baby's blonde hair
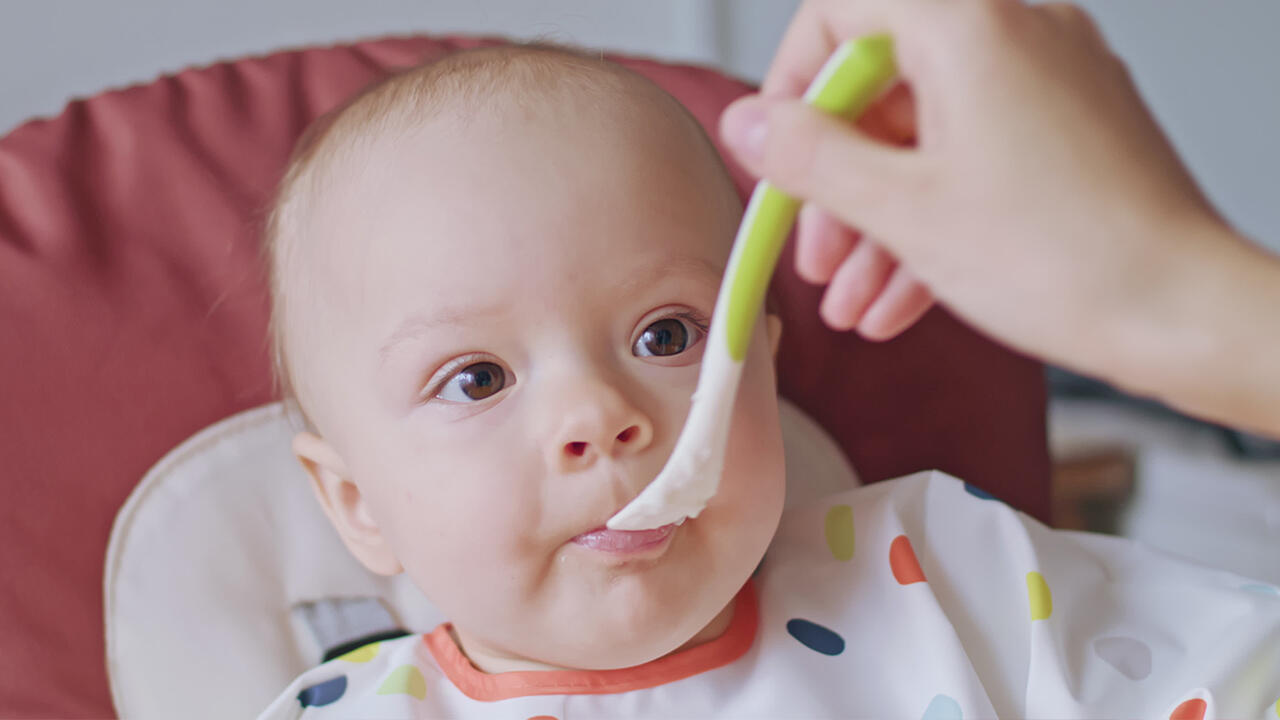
(461, 83)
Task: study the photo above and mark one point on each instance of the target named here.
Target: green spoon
(855, 75)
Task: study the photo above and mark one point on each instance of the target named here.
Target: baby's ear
(344, 504)
(773, 328)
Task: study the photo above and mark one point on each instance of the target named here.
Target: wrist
(1201, 335)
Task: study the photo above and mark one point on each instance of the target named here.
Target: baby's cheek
(754, 468)
(476, 524)
(450, 552)
(756, 432)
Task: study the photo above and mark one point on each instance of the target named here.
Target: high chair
(134, 315)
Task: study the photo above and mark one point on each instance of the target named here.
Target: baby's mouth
(626, 542)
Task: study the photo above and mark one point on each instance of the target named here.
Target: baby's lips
(625, 541)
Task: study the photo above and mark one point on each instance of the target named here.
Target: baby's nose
(626, 438)
(601, 429)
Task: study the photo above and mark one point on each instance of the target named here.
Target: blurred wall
(1210, 70)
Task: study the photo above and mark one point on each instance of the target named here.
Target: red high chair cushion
(134, 313)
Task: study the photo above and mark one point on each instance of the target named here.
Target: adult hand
(1038, 198)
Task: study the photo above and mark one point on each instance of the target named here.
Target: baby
(491, 280)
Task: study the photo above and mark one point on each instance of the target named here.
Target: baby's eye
(473, 382)
(668, 336)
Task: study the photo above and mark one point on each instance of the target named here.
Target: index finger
(819, 26)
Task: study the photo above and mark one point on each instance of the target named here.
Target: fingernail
(743, 129)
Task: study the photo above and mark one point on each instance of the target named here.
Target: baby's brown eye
(668, 336)
(473, 382)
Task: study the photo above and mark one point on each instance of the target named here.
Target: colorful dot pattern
(1129, 656)
(325, 693)
(903, 563)
(404, 680)
(942, 707)
(815, 637)
(361, 654)
(1193, 709)
(1038, 596)
(979, 493)
(839, 532)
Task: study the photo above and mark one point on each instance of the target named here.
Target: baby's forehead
(463, 195)
(484, 156)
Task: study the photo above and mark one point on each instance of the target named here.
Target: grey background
(1211, 70)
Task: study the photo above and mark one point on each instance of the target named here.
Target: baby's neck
(493, 661)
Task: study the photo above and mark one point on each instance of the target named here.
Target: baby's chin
(632, 625)
(633, 614)
(605, 621)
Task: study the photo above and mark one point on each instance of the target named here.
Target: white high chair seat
(221, 547)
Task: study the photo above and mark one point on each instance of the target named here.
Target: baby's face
(509, 316)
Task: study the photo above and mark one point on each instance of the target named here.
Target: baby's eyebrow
(417, 325)
(678, 265)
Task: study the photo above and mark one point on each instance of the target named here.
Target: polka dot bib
(922, 597)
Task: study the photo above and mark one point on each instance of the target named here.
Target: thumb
(864, 183)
